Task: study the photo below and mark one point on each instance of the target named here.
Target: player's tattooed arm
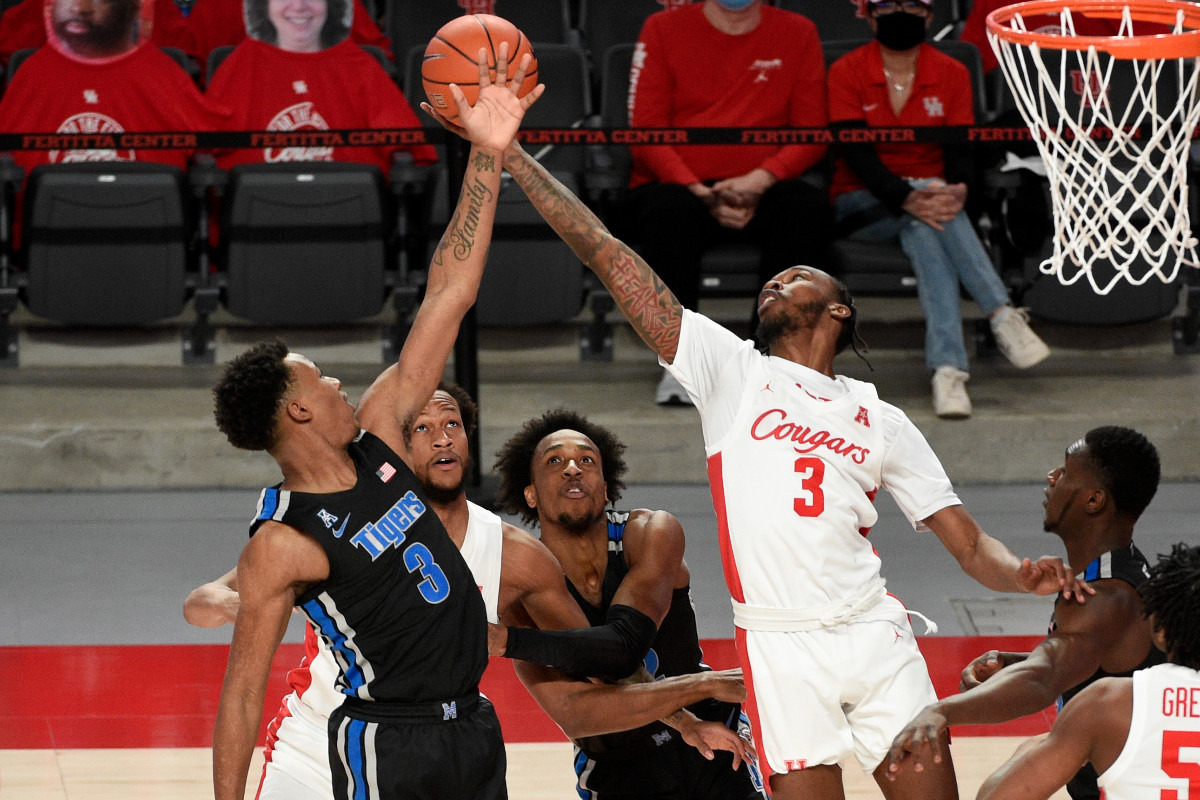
(647, 303)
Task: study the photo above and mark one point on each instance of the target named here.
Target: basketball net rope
(1119, 200)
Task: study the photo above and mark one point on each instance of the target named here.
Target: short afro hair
(1127, 463)
(467, 410)
(249, 394)
(514, 461)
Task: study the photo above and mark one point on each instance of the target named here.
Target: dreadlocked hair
(849, 337)
(514, 461)
(1172, 596)
(1128, 465)
(249, 394)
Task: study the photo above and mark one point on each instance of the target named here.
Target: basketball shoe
(950, 398)
(1015, 339)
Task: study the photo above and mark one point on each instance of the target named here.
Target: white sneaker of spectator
(950, 398)
(670, 392)
(1015, 339)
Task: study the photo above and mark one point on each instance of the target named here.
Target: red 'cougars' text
(804, 438)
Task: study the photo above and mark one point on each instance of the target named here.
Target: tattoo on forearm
(460, 233)
(651, 307)
(674, 718)
(485, 162)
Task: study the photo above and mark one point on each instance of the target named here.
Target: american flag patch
(385, 472)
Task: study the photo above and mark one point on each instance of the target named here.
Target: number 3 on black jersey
(434, 588)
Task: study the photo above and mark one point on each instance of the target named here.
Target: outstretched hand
(493, 121)
(919, 742)
(1049, 575)
(707, 737)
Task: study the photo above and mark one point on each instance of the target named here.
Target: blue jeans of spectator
(941, 260)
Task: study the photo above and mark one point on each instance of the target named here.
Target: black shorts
(383, 751)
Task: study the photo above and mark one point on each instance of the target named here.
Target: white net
(1115, 137)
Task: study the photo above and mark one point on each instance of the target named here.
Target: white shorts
(816, 697)
(297, 757)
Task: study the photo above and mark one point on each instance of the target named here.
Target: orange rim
(1159, 46)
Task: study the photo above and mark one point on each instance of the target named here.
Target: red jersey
(269, 89)
(975, 28)
(144, 90)
(688, 74)
(941, 95)
(220, 23)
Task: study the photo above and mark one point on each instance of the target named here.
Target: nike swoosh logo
(871, 107)
(338, 533)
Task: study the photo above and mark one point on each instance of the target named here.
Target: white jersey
(1161, 757)
(297, 754)
(794, 461)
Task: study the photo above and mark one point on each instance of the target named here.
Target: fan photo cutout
(98, 31)
(299, 26)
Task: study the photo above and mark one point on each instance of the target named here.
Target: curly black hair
(467, 410)
(1127, 463)
(249, 394)
(1172, 595)
(514, 461)
(334, 31)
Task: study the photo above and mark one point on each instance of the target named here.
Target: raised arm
(643, 298)
(988, 561)
(275, 566)
(457, 265)
(213, 604)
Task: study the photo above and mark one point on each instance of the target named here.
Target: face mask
(899, 30)
(735, 5)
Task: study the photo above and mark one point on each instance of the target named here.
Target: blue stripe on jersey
(337, 642)
(1093, 571)
(356, 759)
(615, 531)
(581, 762)
(269, 502)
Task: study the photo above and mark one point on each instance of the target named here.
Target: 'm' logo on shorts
(450, 710)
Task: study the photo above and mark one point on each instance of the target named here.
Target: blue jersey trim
(1093, 571)
(355, 735)
(337, 643)
(270, 502)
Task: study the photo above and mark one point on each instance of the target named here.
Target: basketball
(451, 58)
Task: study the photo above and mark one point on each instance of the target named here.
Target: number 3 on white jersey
(810, 502)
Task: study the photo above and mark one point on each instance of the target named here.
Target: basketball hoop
(1113, 118)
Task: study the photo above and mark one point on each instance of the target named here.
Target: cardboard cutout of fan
(98, 31)
(299, 26)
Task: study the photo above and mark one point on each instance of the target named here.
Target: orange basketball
(452, 53)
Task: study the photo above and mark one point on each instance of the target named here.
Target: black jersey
(1127, 564)
(400, 610)
(674, 651)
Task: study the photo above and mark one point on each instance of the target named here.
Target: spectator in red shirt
(725, 63)
(915, 193)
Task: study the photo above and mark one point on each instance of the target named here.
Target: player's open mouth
(445, 462)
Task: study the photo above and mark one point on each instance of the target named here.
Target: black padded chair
(605, 23)
(108, 243)
(412, 23)
(836, 19)
(306, 244)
